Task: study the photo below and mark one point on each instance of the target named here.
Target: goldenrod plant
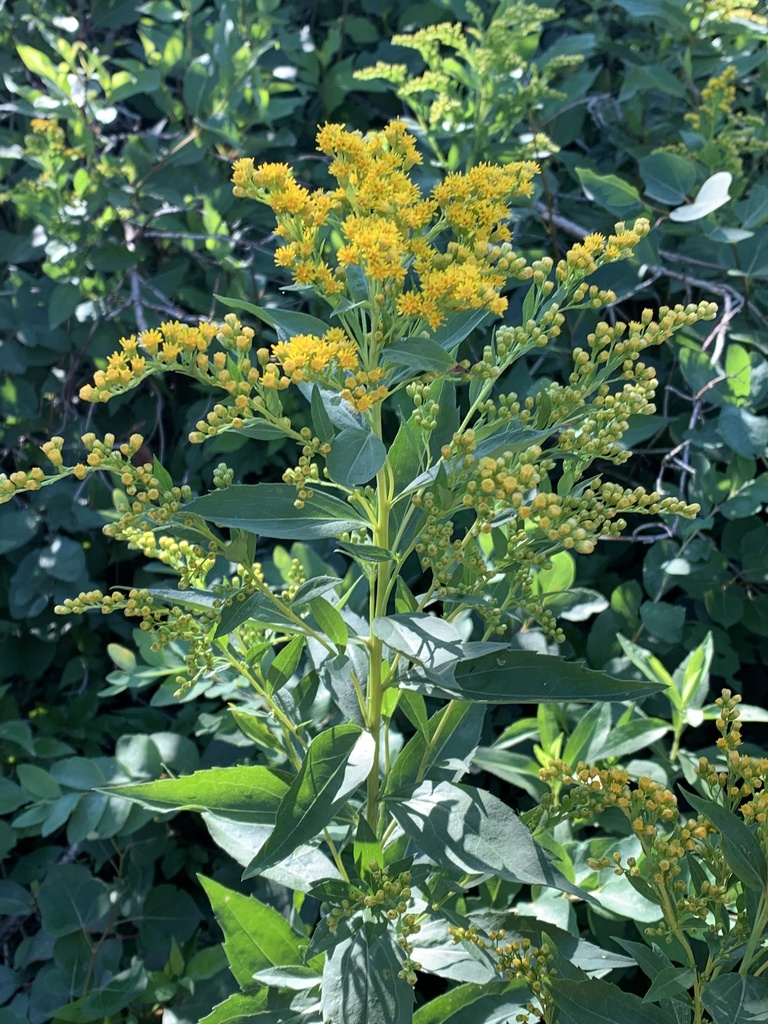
(478, 94)
(424, 503)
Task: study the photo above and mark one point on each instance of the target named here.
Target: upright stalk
(378, 606)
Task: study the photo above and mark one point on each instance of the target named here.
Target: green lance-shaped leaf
(330, 621)
(737, 999)
(421, 354)
(459, 327)
(252, 794)
(470, 830)
(321, 421)
(478, 1000)
(242, 841)
(451, 735)
(269, 510)
(249, 1009)
(285, 663)
(511, 677)
(337, 762)
(355, 457)
(599, 1002)
(256, 608)
(743, 851)
(285, 322)
(360, 982)
(255, 936)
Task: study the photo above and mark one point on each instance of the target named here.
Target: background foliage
(118, 126)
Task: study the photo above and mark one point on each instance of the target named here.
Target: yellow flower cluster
(307, 356)
(731, 133)
(173, 345)
(102, 454)
(683, 891)
(584, 258)
(165, 623)
(717, 97)
(743, 777)
(388, 230)
(49, 127)
(475, 203)
(726, 10)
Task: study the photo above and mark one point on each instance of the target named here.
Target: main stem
(378, 606)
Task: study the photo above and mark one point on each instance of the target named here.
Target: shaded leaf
(737, 999)
(743, 851)
(598, 1002)
(360, 982)
(336, 763)
(470, 830)
(513, 677)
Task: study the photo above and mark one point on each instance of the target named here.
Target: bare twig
(133, 276)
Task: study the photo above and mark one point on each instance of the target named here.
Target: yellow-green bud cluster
(518, 959)
(390, 898)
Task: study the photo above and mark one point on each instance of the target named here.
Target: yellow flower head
(308, 356)
(376, 244)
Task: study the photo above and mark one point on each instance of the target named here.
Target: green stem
(756, 935)
(433, 742)
(287, 726)
(378, 606)
(336, 855)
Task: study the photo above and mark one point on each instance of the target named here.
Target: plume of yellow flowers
(404, 260)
